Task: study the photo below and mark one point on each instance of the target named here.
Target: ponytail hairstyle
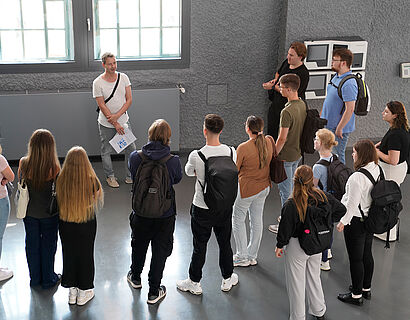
(304, 190)
(401, 121)
(255, 125)
(327, 138)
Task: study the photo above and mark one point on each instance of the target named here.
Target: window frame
(84, 48)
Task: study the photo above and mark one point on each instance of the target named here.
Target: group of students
(80, 196)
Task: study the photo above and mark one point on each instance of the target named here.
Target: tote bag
(22, 199)
(276, 167)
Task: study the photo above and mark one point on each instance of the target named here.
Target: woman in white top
(6, 175)
(358, 240)
(393, 149)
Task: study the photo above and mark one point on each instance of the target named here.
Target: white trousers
(254, 205)
(303, 276)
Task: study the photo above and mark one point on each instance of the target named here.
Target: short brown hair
(160, 131)
(290, 80)
(397, 108)
(107, 55)
(345, 55)
(299, 48)
(214, 123)
(366, 153)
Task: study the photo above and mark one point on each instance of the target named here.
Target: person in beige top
(253, 159)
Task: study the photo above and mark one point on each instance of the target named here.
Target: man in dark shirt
(293, 64)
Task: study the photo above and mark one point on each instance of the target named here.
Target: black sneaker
(154, 298)
(133, 281)
(348, 298)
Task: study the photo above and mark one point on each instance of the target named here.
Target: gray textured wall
(237, 42)
(384, 24)
(232, 42)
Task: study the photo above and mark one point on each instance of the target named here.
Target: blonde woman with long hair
(80, 196)
(39, 168)
(302, 271)
(253, 161)
(6, 175)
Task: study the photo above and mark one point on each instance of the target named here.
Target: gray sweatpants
(303, 274)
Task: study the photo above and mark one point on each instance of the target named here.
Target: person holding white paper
(112, 91)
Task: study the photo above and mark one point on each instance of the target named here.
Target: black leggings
(359, 248)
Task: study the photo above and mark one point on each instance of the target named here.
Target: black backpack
(316, 234)
(337, 175)
(312, 124)
(151, 194)
(362, 106)
(221, 182)
(385, 207)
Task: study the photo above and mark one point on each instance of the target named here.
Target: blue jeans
(41, 247)
(4, 217)
(286, 187)
(341, 146)
(106, 134)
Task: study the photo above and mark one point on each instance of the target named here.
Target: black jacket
(290, 224)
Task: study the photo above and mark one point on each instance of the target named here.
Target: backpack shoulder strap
(143, 156)
(230, 148)
(166, 158)
(331, 82)
(381, 176)
(342, 82)
(201, 155)
(324, 162)
(367, 174)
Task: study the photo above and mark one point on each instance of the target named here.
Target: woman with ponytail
(253, 161)
(302, 271)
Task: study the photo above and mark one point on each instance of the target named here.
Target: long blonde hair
(79, 192)
(41, 162)
(255, 125)
(303, 189)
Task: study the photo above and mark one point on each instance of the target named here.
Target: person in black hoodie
(302, 271)
(157, 231)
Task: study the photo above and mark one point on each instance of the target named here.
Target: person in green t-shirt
(292, 119)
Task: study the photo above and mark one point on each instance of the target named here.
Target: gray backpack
(151, 194)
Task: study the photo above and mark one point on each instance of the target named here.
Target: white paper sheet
(120, 142)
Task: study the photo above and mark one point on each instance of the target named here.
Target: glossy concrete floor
(260, 294)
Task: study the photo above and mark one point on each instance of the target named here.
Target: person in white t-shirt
(113, 116)
(203, 219)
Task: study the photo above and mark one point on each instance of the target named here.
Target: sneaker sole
(71, 302)
(241, 264)
(157, 299)
(83, 303)
(135, 286)
(197, 293)
(253, 263)
(323, 269)
(233, 284)
(273, 231)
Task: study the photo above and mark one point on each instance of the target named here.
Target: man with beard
(337, 111)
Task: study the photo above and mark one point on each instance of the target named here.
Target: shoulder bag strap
(115, 88)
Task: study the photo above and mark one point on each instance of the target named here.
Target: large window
(137, 29)
(71, 35)
(36, 31)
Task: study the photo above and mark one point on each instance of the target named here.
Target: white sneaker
(240, 262)
(72, 295)
(5, 274)
(84, 296)
(228, 283)
(329, 254)
(189, 285)
(253, 262)
(273, 228)
(325, 266)
(112, 182)
(128, 180)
